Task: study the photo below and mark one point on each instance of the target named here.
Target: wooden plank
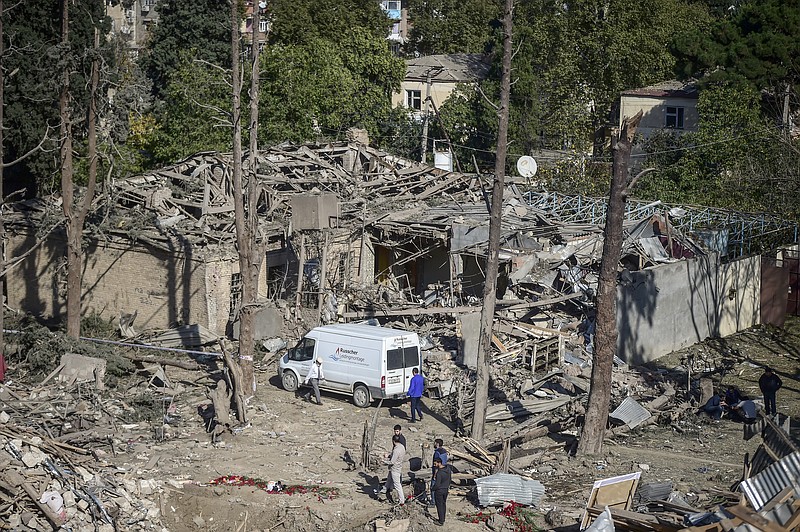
(749, 516)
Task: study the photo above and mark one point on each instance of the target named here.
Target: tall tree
(572, 60)
(198, 28)
(451, 26)
(605, 340)
(495, 222)
(76, 208)
(759, 43)
(327, 68)
(252, 245)
(33, 34)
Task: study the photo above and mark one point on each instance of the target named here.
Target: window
(304, 350)
(414, 100)
(394, 359)
(411, 356)
(674, 118)
(262, 26)
(236, 295)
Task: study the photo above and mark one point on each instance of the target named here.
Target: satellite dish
(526, 166)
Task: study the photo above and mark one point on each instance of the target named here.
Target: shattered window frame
(236, 295)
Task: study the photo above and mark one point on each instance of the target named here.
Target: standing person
(397, 434)
(415, 388)
(314, 376)
(440, 453)
(769, 384)
(395, 463)
(441, 487)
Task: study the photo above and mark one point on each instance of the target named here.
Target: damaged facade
(356, 233)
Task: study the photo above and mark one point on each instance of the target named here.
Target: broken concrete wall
(671, 306)
(740, 291)
(434, 269)
(162, 287)
(218, 277)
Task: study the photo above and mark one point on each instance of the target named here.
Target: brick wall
(163, 287)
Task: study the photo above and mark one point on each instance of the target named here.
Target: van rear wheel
(289, 381)
(361, 396)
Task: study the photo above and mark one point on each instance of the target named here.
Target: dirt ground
(300, 443)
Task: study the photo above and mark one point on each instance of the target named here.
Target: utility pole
(495, 220)
(425, 119)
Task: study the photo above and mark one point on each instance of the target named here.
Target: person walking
(440, 453)
(395, 463)
(770, 384)
(415, 388)
(441, 487)
(313, 377)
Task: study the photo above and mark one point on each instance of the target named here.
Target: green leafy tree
(451, 26)
(327, 68)
(199, 28)
(572, 60)
(758, 43)
(194, 117)
(32, 56)
(717, 164)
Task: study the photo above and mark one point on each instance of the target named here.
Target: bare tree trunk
(492, 262)
(2, 195)
(74, 212)
(250, 252)
(68, 190)
(605, 340)
(250, 263)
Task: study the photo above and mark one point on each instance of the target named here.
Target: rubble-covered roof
(448, 68)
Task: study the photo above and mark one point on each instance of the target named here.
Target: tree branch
(490, 102)
(634, 180)
(30, 152)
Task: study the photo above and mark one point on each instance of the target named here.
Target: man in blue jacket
(415, 388)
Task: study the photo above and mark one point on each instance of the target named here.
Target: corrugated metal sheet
(777, 441)
(501, 487)
(653, 491)
(631, 413)
(763, 487)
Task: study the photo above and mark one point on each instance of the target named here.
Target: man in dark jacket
(769, 384)
(441, 453)
(441, 487)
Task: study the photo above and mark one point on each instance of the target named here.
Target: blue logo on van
(346, 355)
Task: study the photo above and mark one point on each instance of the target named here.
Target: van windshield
(303, 351)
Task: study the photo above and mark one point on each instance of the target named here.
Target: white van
(365, 361)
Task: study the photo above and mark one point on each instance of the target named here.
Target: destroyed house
(354, 232)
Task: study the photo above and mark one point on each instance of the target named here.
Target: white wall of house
(440, 91)
(655, 113)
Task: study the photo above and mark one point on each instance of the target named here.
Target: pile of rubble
(57, 439)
